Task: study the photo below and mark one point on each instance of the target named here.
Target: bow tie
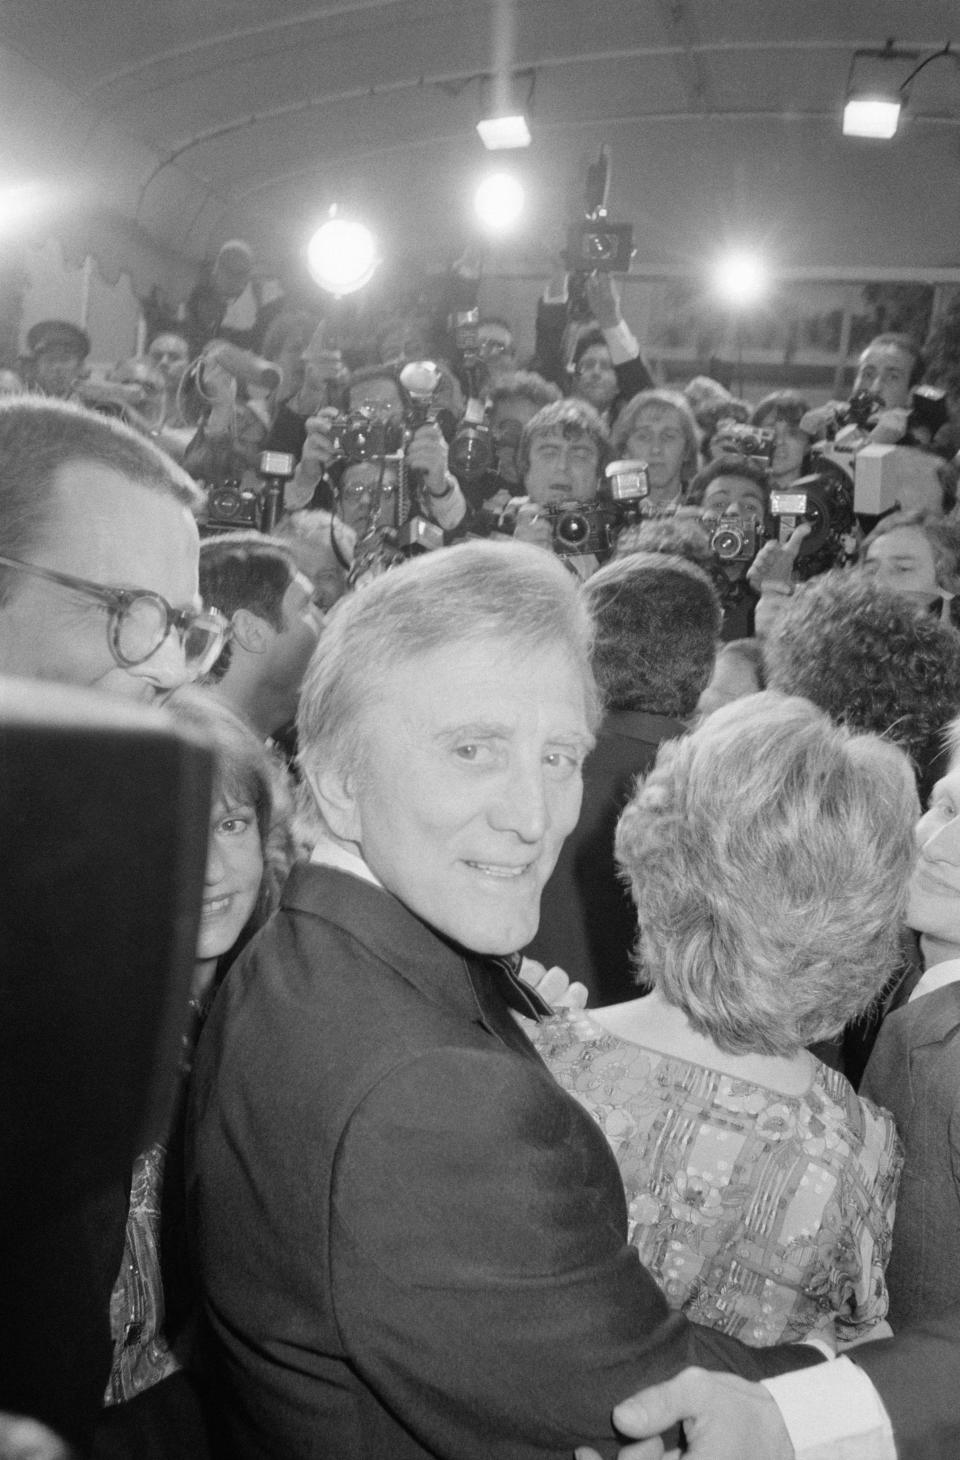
(501, 974)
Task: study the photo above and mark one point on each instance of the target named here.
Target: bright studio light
(500, 133)
(20, 203)
(871, 116)
(740, 278)
(342, 256)
(499, 201)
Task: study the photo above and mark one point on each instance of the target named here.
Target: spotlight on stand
(498, 201)
(342, 255)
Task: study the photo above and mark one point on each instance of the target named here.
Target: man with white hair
(411, 1241)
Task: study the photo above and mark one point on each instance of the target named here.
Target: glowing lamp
(499, 201)
(740, 278)
(498, 133)
(871, 116)
(342, 256)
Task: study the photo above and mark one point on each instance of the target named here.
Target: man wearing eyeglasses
(98, 556)
(98, 588)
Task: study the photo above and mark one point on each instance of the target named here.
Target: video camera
(235, 505)
(875, 472)
(595, 245)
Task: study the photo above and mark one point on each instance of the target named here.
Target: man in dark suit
(914, 1071)
(658, 624)
(411, 1241)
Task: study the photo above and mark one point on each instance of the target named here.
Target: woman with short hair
(768, 853)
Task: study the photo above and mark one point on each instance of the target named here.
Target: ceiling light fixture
(875, 97)
(504, 121)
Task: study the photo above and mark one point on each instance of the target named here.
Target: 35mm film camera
(234, 505)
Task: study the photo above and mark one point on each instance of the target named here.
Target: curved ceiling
(185, 122)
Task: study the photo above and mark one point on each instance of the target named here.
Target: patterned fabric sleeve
(762, 1215)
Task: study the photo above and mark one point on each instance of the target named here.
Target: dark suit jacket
(588, 922)
(914, 1071)
(411, 1241)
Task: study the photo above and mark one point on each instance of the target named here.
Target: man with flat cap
(56, 350)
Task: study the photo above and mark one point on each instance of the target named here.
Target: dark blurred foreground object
(103, 821)
(24, 1439)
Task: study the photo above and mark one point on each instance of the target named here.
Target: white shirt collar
(329, 853)
(937, 977)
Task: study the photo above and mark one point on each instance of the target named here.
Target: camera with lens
(235, 504)
(825, 500)
(232, 505)
(859, 411)
(360, 435)
(733, 539)
(473, 451)
(579, 530)
(593, 527)
(753, 442)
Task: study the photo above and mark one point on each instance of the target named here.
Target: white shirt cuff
(833, 1412)
(621, 342)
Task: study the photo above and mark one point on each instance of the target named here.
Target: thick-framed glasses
(139, 621)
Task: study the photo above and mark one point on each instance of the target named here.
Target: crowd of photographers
(574, 450)
(812, 551)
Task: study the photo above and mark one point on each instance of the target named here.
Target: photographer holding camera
(733, 494)
(229, 436)
(562, 452)
(889, 369)
(383, 420)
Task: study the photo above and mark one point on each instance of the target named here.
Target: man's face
(368, 495)
(658, 438)
(496, 350)
(934, 904)
(113, 531)
(507, 420)
(472, 780)
(596, 377)
(286, 660)
(381, 395)
(169, 354)
(562, 468)
(55, 369)
(903, 560)
(735, 497)
(885, 370)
